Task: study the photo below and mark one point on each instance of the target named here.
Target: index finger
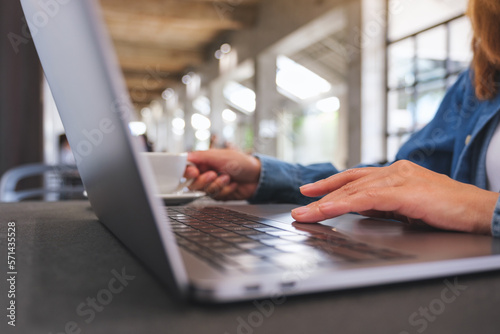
(379, 199)
(334, 182)
(191, 172)
(209, 157)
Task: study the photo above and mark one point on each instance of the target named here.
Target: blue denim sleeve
(495, 223)
(280, 181)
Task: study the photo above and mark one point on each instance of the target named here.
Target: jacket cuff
(495, 223)
(279, 182)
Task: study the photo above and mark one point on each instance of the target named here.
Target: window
(421, 67)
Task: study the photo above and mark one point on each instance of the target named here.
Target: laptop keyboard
(230, 240)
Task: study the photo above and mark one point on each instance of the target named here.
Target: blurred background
(306, 81)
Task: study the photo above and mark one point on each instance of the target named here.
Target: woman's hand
(403, 191)
(224, 174)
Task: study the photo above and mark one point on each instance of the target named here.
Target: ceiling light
(240, 96)
(228, 132)
(202, 105)
(168, 93)
(178, 123)
(202, 135)
(178, 132)
(137, 128)
(186, 79)
(228, 115)
(225, 48)
(200, 122)
(299, 81)
(330, 104)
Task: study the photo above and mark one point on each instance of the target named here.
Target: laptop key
(296, 248)
(254, 225)
(282, 233)
(250, 245)
(298, 238)
(190, 233)
(265, 251)
(275, 242)
(248, 232)
(226, 235)
(224, 265)
(261, 236)
(244, 258)
(237, 240)
(231, 251)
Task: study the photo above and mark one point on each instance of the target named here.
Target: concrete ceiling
(158, 41)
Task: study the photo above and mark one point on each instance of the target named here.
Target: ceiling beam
(147, 85)
(154, 30)
(233, 3)
(141, 57)
(153, 73)
(139, 105)
(144, 96)
(200, 14)
(148, 82)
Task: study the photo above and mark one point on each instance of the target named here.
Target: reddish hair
(485, 19)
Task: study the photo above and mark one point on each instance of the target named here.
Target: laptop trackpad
(421, 240)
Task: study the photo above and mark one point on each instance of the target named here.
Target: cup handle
(187, 182)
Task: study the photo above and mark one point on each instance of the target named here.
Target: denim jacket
(454, 143)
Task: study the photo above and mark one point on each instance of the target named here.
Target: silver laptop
(216, 254)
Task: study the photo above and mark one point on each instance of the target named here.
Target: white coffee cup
(168, 170)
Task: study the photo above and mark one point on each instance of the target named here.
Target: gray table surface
(65, 258)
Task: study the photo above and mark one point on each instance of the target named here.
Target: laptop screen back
(89, 90)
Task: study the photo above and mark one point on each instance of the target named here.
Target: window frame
(449, 73)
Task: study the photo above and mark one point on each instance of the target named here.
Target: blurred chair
(59, 182)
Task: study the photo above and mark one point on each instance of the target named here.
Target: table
(73, 276)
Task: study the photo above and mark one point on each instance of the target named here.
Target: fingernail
(300, 211)
(306, 186)
(211, 176)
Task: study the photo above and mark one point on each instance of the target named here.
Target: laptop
(217, 253)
